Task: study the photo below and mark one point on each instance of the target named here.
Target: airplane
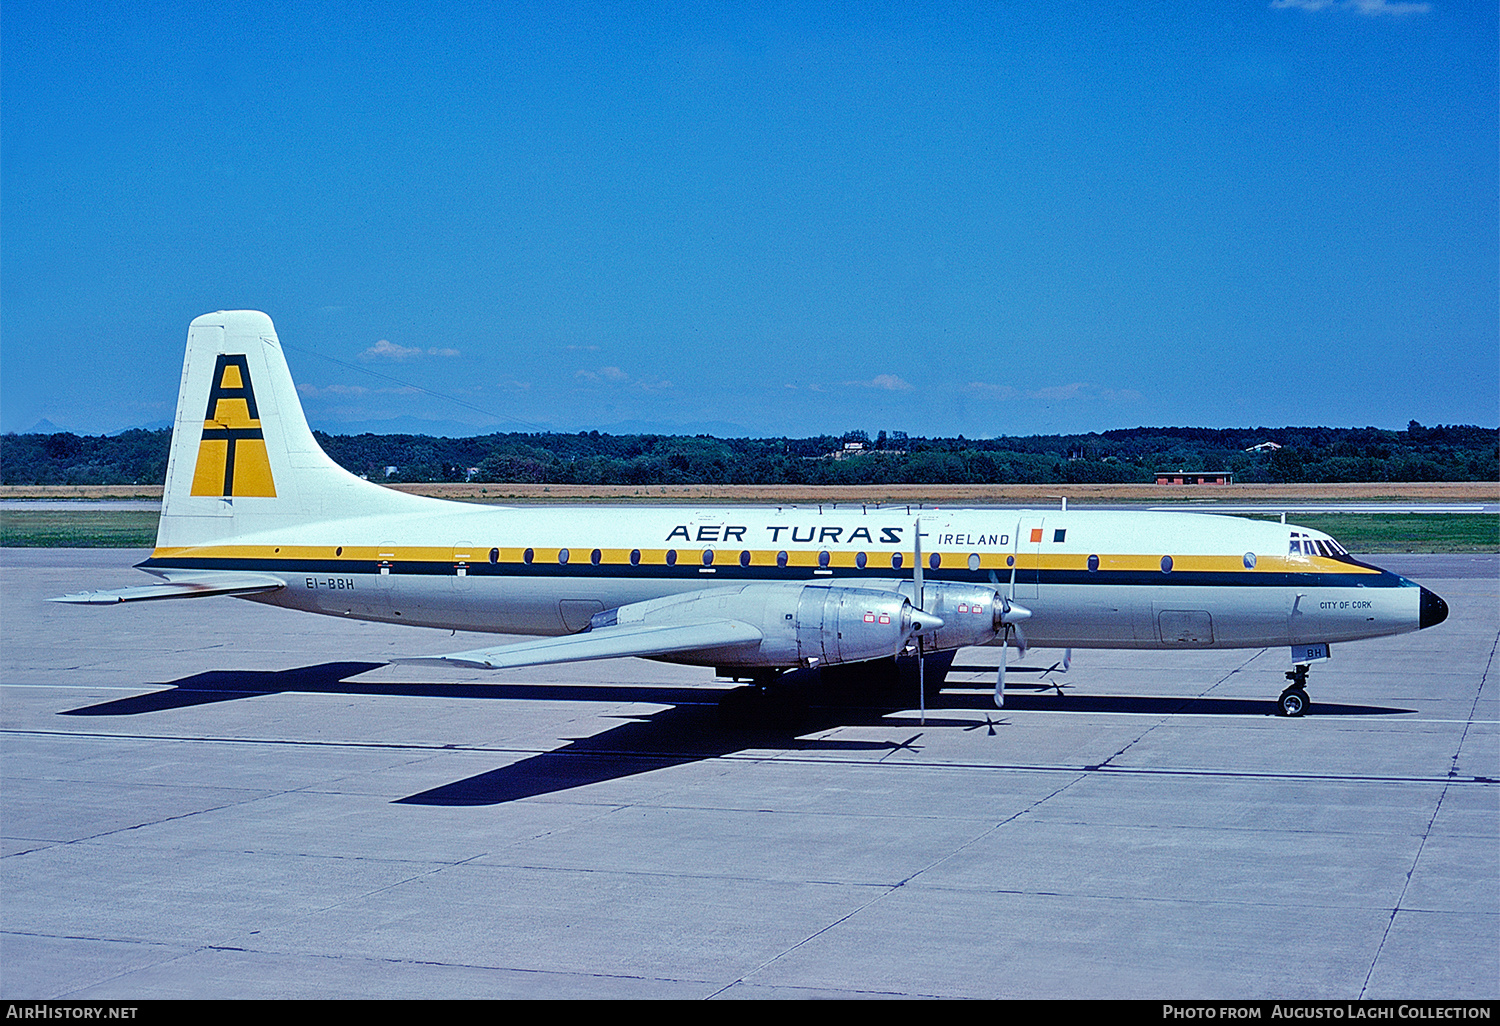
(254, 508)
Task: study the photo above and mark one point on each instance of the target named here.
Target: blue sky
(979, 219)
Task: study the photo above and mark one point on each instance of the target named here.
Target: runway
(214, 798)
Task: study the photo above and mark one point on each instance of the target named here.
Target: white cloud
(386, 350)
(313, 391)
(614, 374)
(887, 382)
(1064, 392)
(1369, 8)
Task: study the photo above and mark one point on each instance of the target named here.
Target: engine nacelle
(800, 624)
(850, 625)
(972, 614)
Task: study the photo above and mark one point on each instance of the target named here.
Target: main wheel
(1293, 702)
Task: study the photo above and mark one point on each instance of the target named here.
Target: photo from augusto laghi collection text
(1262, 1010)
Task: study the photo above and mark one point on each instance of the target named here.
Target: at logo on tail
(232, 458)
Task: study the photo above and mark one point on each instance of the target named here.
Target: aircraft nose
(1433, 611)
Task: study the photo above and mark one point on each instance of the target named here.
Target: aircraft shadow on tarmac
(697, 724)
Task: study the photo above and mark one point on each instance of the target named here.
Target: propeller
(924, 622)
(1011, 629)
(916, 580)
(1011, 615)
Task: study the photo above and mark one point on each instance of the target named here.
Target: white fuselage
(1089, 578)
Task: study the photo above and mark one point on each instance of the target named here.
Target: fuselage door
(1185, 627)
(1029, 534)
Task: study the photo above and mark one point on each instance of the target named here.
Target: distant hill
(458, 429)
(1299, 454)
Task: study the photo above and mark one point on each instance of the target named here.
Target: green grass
(78, 529)
(1358, 532)
(1405, 532)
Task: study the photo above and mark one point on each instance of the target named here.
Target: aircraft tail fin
(243, 459)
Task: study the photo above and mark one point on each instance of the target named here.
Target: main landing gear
(1294, 700)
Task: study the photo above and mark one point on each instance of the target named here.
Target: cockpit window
(1306, 545)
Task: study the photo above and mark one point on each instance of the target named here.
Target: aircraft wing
(601, 643)
(179, 586)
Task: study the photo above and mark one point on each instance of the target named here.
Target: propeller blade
(920, 619)
(1000, 676)
(916, 569)
(921, 685)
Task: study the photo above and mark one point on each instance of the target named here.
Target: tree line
(1301, 454)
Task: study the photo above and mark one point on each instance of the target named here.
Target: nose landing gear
(1294, 700)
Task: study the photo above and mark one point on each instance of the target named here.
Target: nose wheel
(1294, 700)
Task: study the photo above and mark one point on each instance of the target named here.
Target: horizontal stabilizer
(601, 643)
(179, 586)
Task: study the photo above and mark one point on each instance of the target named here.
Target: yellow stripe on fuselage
(1000, 562)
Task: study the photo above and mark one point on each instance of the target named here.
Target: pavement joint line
(1165, 717)
(1405, 886)
(187, 951)
(786, 757)
(988, 830)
